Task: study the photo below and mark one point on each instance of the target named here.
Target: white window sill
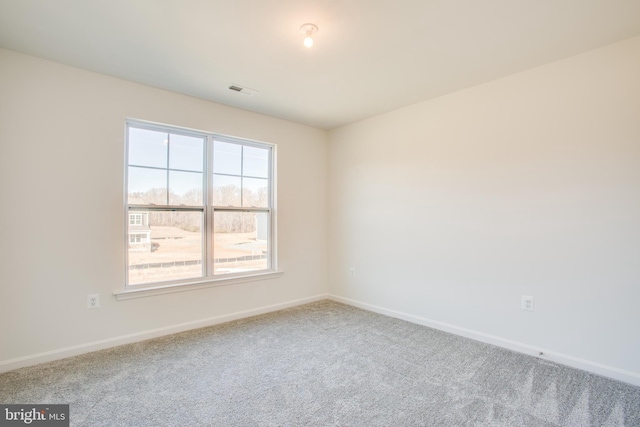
(133, 292)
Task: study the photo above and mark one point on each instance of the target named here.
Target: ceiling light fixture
(308, 30)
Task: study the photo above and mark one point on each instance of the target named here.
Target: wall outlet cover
(526, 303)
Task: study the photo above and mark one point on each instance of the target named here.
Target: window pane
(227, 158)
(185, 188)
(147, 186)
(226, 190)
(169, 247)
(240, 242)
(255, 192)
(186, 153)
(255, 162)
(148, 148)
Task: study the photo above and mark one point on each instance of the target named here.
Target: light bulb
(308, 30)
(308, 41)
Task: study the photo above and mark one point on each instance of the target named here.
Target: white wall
(451, 209)
(61, 221)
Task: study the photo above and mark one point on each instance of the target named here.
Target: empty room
(320, 213)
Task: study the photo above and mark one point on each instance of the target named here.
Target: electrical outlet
(526, 303)
(352, 272)
(93, 301)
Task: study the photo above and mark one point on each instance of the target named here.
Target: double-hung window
(207, 204)
(135, 219)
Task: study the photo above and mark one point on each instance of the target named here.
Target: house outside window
(199, 206)
(139, 232)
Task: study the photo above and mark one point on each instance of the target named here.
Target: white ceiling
(370, 56)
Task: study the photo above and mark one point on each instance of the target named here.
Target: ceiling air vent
(243, 90)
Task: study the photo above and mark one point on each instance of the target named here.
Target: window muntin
(198, 228)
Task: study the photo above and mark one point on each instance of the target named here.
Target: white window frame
(208, 279)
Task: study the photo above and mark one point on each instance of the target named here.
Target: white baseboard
(48, 356)
(574, 362)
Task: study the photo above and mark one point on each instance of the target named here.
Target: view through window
(198, 206)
